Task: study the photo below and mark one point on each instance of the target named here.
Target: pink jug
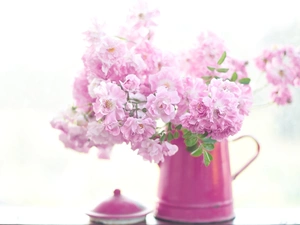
(188, 191)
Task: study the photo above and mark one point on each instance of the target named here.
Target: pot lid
(118, 207)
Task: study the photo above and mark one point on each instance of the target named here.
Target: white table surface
(38, 215)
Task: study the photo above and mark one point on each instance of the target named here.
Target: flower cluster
(128, 87)
(282, 69)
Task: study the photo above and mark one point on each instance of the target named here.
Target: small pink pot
(190, 192)
(118, 209)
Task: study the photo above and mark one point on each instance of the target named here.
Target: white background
(41, 45)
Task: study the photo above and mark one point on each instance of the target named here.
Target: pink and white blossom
(110, 99)
(151, 150)
(169, 78)
(162, 104)
(281, 95)
(280, 71)
(95, 33)
(111, 51)
(73, 130)
(131, 83)
(128, 86)
(169, 149)
(137, 130)
(140, 23)
(100, 136)
(81, 93)
(218, 113)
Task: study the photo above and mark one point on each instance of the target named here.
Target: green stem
(261, 88)
(263, 105)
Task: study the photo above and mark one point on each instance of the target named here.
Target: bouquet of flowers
(131, 91)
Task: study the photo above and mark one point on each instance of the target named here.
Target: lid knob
(117, 192)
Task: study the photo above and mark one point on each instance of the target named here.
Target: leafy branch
(199, 144)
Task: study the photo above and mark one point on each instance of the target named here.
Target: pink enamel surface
(191, 192)
(118, 207)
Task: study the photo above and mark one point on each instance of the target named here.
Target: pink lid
(118, 207)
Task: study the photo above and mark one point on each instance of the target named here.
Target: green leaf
(186, 133)
(202, 135)
(222, 70)
(197, 152)
(163, 137)
(207, 157)
(245, 80)
(190, 141)
(211, 68)
(176, 134)
(192, 148)
(169, 126)
(221, 60)
(206, 77)
(208, 146)
(234, 77)
(178, 127)
(209, 140)
(170, 137)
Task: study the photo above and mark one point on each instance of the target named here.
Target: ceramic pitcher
(188, 191)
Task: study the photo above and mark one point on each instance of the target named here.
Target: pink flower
(219, 113)
(169, 149)
(75, 138)
(281, 95)
(93, 65)
(111, 51)
(194, 123)
(280, 65)
(110, 100)
(221, 131)
(150, 55)
(245, 99)
(297, 80)
(234, 65)
(142, 16)
(94, 35)
(112, 124)
(224, 111)
(81, 93)
(104, 151)
(200, 107)
(280, 71)
(194, 87)
(162, 105)
(139, 23)
(151, 150)
(59, 124)
(131, 83)
(100, 136)
(206, 53)
(92, 86)
(73, 130)
(168, 77)
(262, 60)
(137, 130)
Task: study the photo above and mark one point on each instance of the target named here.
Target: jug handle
(252, 159)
